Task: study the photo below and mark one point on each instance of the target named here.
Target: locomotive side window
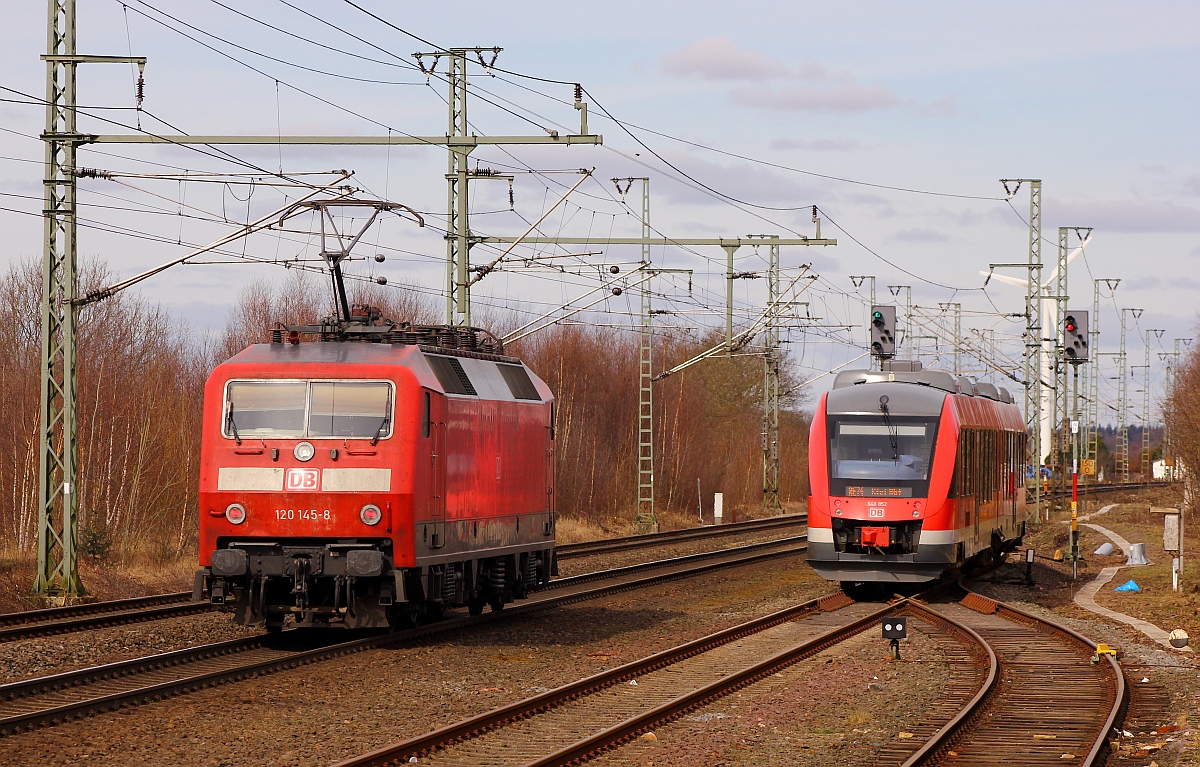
(308, 409)
(265, 408)
(350, 409)
(425, 414)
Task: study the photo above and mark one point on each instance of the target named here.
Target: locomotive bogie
(359, 485)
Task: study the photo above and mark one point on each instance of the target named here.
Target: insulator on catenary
(381, 280)
(578, 92)
(511, 202)
(380, 257)
(141, 91)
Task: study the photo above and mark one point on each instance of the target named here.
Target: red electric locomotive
(914, 472)
(370, 476)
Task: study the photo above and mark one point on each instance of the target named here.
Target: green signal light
(877, 315)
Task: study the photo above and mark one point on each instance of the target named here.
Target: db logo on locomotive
(302, 479)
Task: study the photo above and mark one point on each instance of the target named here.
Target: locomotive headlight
(304, 451)
(370, 514)
(235, 513)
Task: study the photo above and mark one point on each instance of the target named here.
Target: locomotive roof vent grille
(518, 382)
(451, 375)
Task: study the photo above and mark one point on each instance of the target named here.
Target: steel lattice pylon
(770, 435)
(58, 450)
(647, 519)
(58, 504)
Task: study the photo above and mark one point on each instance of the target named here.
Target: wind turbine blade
(1008, 280)
(1070, 258)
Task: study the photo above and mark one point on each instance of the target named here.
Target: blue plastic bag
(1128, 585)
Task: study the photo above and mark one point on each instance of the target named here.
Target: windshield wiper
(379, 431)
(893, 432)
(231, 424)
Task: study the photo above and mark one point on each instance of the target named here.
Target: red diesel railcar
(913, 473)
(359, 484)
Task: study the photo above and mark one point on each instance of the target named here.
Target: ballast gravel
(321, 713)
(55, 654)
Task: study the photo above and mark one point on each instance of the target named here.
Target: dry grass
(143, 577)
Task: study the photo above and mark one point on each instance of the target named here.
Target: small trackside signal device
(1075, 337)
(895, 628)
(883, 331)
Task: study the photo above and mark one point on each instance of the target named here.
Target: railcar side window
(265, 409)
(308, 409)
(350, 409)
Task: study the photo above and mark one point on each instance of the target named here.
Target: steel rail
(162, 606)
(62, 620)
(576, 589)
(585, 548)
(423, 745)
(959, 726)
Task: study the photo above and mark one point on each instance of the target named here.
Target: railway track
(1024, 691)
(64, 620)
(582, 719)
(1050, 705)
(60, 697)
(573, 550)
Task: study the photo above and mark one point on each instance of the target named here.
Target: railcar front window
(350, 409)
(882, 451)
(266, 408)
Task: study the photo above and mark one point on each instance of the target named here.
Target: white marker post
(718, 507)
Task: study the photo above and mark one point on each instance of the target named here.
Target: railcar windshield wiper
(893, 433)
(231, 424)
(382, 425)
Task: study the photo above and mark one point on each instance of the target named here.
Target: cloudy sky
(897, 120)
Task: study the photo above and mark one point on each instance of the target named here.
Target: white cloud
(850, 97)
(719, 58)
(1129, 216)
(816, 145)
(921, 235)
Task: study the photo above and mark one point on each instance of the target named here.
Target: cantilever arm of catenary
(523, 331)
(483, 270)
(250, 228)
(742, 338)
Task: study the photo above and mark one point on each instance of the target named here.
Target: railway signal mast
(1076, 351)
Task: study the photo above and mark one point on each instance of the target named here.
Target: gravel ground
(318, 714)
(65, 652)
(609, 560)
(817, 712)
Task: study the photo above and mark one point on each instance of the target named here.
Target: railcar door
(440, 457)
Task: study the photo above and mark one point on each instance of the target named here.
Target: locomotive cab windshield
(308, 409)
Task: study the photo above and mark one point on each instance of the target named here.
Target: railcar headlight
(235, 513)
(370, 514)
(304, 451)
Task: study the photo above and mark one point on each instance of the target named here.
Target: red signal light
(1070, 327)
